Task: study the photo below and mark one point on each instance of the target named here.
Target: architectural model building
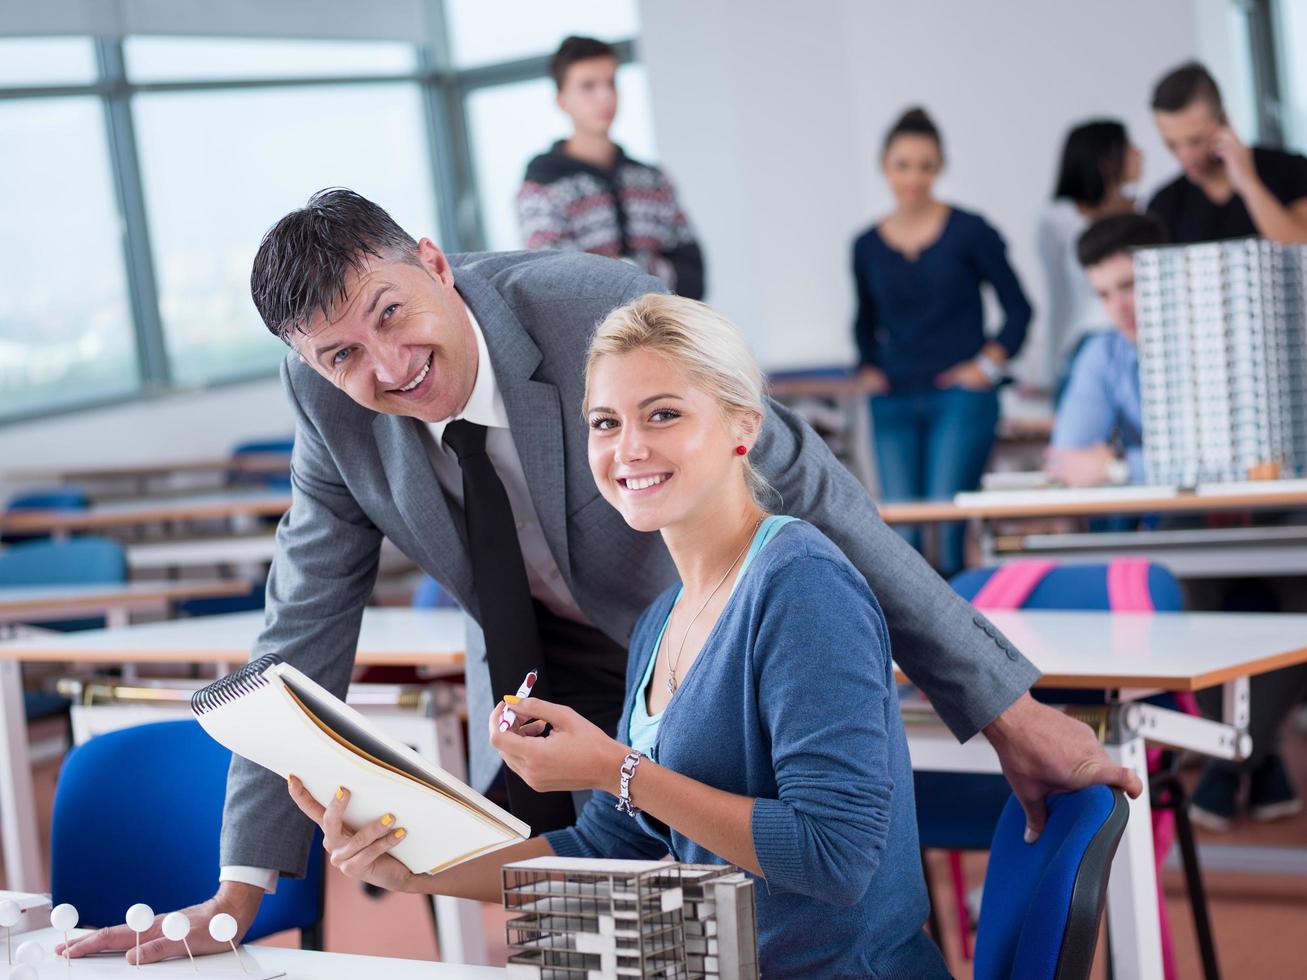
(582, 919)
(1223, 360)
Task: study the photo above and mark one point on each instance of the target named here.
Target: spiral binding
(248, 678)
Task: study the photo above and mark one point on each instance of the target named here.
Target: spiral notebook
(273, 715)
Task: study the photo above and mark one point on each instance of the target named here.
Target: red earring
(741, 450)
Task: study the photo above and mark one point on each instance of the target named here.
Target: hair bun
(915, 122)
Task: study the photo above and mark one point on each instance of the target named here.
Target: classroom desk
(1128, 655)
(1099, 501)
(245, 463)
(236, 506)
(242, 550)
(298, 964)
(114, 601)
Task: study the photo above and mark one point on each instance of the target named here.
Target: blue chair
(430, 594)
(262, 447)
(82, 561)
(59, 498)
(959, 812)
(137, 815)
(1044, 901)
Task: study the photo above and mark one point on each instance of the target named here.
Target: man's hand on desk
(1087, 467)
(237, 899)
(1043, 751)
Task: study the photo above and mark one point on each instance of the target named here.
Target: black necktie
(504, 597)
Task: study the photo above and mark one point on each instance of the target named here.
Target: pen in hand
(509, 716)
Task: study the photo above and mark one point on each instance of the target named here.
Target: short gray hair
(305, 258)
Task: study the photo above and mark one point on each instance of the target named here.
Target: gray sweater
(792, 702)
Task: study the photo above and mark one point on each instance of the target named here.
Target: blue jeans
(931, 444)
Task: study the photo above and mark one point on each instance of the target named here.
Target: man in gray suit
(397, 348)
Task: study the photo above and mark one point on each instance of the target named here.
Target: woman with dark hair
(1099, 163)
(925, 358)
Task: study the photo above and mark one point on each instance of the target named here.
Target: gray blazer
(358, 476)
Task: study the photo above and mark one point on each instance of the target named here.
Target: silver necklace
(672, 664)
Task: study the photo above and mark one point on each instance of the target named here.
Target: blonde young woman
(761, 725)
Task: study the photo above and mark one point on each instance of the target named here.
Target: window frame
(443, 92)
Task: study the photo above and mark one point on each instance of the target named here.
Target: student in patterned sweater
(587, 195)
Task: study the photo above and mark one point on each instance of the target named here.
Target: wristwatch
(628, 772)
(990, 368)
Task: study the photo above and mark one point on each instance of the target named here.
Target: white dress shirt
(485, 406)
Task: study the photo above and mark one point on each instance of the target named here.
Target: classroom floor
(1258, 919)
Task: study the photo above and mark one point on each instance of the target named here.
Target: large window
(143, 171)
(211, 193)
(66, 332)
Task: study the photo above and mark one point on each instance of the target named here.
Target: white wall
(770, 115)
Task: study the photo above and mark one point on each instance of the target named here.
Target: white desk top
(1089, 501)
(298, 964)
(1171, 651)
(149, 510)
(434, 637)
(35, 600)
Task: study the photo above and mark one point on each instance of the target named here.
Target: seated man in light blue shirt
(1098, 432)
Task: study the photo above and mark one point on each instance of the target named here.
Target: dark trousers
(931, 444)
(586, 671)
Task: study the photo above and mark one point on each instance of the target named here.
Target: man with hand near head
(587, 195)
(1227, 189)
(1098, 432)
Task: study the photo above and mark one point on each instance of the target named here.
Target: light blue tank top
(644, 726)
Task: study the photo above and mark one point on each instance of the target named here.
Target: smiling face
(400, 342)
(911, 164)
(661, 451)
(589, 94)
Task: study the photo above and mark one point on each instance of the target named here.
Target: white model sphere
(10, 913)
(222, 927)
(64, 917)
(29, 952)
(176, 926)
(23, 972)
(140, 917)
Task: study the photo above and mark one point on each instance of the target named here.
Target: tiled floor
(1260, 920)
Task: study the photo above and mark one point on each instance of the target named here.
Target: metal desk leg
(1132, 890)
(460, 929)
(1236, 703)
(24, 867)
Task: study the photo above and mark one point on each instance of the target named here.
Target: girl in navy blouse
(925, 357)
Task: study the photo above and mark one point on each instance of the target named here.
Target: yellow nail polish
(401, 834)
(387, 820)
(511, 699)
(340, 793)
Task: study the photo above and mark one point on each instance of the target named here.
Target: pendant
(671, 685)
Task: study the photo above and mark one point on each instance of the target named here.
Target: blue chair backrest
(137, 816)
(259, 447)
(62, 498)
(82, 561)
(1044, 901)
(1077, 587)
(430, 594)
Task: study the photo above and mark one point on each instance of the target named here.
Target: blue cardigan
(793, 702)
(918, 318)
